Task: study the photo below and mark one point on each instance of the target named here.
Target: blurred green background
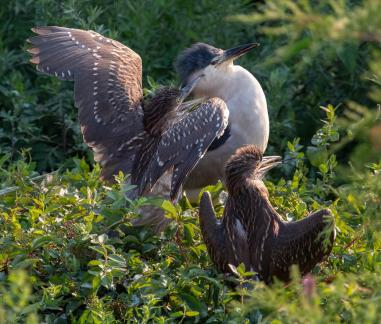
(312, 53)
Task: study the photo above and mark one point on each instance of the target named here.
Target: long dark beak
(234, 53)
(267, 163)
(187, 90)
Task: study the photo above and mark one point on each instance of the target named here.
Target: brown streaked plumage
(160, 110)
(116, 122)
(253, 233)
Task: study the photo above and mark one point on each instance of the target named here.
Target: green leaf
(169, 208)
(188, 233)
(40, 241)
(94, 263)
(323, 168)
(117, 259)
(317, 155)
(31, 308)
(98, 249)
(26, 263)
(193, 303)
(241, 269)
(176, 314)
(96, 282)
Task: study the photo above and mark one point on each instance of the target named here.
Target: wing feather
(213, 233)
(185, 143)
(107, 90)
(108, 93)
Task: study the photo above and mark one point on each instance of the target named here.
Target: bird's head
(214, 63)
(162, 108)
(248, 163)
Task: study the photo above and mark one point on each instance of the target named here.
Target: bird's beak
(267, 163)
(233, 53)
(188, 88)
(185, 92)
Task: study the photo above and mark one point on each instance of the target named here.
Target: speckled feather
(271, 245)
(185, 143)
(160, 111)
(107, 89)
(141, 138)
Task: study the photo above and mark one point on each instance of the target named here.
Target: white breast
(247, 105)
(248, 120)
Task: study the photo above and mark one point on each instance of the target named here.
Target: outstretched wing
(304, 243)
(108, 90)
(213, 233)
(184, 144)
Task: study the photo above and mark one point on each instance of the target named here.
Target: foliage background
(56, 264)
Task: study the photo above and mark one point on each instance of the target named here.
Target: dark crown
(195, 58)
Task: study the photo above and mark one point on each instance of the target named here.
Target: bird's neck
(251, 201)
(235, 81)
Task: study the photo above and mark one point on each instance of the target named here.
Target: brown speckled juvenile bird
(144, 138)
(253, 233)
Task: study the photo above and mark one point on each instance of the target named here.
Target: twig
(351, 243)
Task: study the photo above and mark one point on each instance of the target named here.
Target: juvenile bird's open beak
(233, 53)
(267, 163)
(187, 89)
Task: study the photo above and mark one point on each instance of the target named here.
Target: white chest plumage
(248, 121)
(247, 106)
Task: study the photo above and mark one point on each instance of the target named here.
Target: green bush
(70, 234)
(67, 252)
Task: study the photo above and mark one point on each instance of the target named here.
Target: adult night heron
(253, 233)
(145, 138)
(244, 97)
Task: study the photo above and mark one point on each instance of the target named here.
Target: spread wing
(212, 233)
(107, 87)
(184, 144)
(237, 236)
(304, 243)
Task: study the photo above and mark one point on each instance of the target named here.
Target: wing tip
(206, 202)
(35, 60)
(206, 195)
(40, 30)
(33, 50)
(45, 30)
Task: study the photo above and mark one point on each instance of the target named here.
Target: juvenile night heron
(244, 97)
(253, 233)
(144, 138)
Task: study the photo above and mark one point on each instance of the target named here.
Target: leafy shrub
(70, 234)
